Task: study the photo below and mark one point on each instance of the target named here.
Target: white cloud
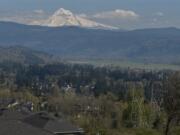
(25, 17)
(39, 11)
(117, 14)
(159, 14)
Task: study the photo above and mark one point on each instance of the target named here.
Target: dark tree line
(84, 79)
(137, 98)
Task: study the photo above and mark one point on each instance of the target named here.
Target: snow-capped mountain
(64, 17)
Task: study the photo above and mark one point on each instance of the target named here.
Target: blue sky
(152, 13)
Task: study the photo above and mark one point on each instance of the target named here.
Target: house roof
(14, 127)
(6, 114)
(41, 123)
(49, 123)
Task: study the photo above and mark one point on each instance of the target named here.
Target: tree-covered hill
(23, 55)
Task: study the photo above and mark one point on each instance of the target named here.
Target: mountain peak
(63, 17)
(63, 11)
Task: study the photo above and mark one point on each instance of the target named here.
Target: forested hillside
(23, 55)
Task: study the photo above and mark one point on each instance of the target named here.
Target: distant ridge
(157, 45)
